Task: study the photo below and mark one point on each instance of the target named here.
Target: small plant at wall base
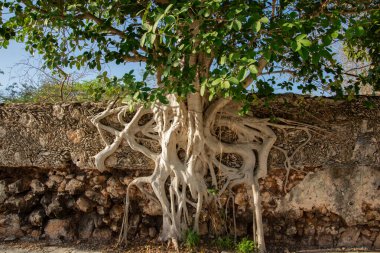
(207, 57)
(246, 246)
(192, 239)
(224, 243)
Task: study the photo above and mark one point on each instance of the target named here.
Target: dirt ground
(28, 247)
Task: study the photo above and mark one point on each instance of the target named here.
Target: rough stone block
(59, 229)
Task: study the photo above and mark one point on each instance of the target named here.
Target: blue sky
(8, 58)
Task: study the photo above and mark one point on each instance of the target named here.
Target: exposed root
(191, 153)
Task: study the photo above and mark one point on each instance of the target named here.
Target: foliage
(362, 44)
(224, 243)
(192, 239)
(218, 48)
(246, 246)
(18, 93)
(55, 92)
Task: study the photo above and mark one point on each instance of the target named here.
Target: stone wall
(49, 188)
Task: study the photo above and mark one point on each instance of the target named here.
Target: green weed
(246, 246)
(224, 243)
(192, 239)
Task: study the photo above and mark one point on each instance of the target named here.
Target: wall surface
(49, 188)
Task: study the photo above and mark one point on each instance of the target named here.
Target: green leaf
(253, 69)
(237, 25)
(216, 82)
(315, 59)
(303, 54)
(301, 36)
(335, 34)
(360, 30)
(142, 41)
(241, 75)
(169, 19)
(305, 42)
(296, 46)
(152, 38)
(203, 89)
(233, 80)
(223, 60)
(327, 40)
(211, 96)
(226, 84)
(264, 20)
(136, 95)
(257, 26)
(147, 27)
(156, 22)
(168, 8)
(288, 25)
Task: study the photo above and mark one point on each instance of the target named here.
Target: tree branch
(358, 68)
(261, 65)
(99, 21)
(273, 8)
(285, 71)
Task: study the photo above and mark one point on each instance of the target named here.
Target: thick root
(190, 155)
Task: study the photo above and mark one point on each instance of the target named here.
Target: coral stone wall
(50, 190)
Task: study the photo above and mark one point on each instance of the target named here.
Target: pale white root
(189, 148)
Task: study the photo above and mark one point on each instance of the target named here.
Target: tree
(203, 54)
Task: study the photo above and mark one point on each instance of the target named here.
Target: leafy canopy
(363, 44)
(218, 48)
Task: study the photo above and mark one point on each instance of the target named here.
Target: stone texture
(31, 200)
(376, 244)
(46, 168)
(102, 234)
(37, 186)
(290, 231)
(339, 190)
(364, 242)
(86, 226)
(3, 191)
(241, 199)
(115, 188)
(10, 226)
(55, 208)
(20, 185)
(74, 186)
(54, 181)
(116, 212)
(59, 229)
(152, 232)
(349, 237)
(14, 203)
(101, 210)
(326, 241)
(84, 204)
(151, 208)
(99, 198)
(36, 218)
